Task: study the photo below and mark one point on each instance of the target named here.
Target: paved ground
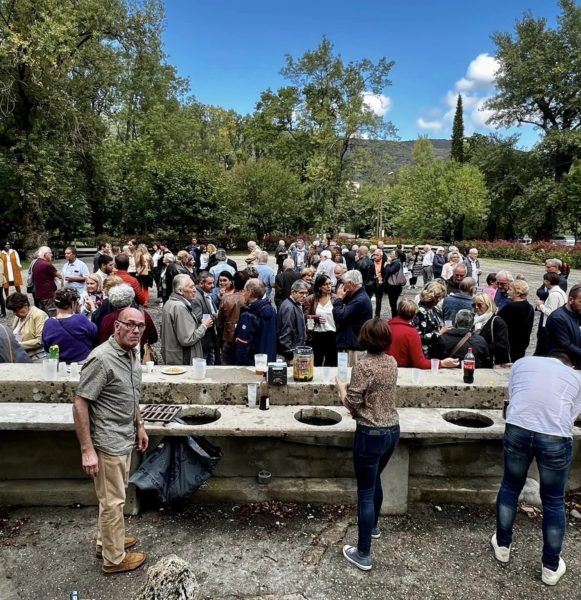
(285, 552)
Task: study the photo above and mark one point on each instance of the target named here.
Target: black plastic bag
(177, 468)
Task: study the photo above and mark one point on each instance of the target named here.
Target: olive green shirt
(111, 382)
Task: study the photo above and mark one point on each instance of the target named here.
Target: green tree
(457, 150)
(538, 83)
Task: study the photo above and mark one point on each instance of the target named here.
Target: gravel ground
(285, 552)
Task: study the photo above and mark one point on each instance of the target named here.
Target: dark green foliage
(457, 151)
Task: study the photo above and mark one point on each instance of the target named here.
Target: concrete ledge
(228, 385)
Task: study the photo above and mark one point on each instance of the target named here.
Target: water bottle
(54, 352)
(469, 365)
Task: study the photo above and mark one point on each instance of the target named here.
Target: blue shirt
(266, 275)
(75, 269)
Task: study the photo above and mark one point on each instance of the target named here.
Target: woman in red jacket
(406, 344)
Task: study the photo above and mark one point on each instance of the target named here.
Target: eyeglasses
(478, 305)
(132, 325)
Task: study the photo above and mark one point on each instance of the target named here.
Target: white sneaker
(501, 553)
(552, 577)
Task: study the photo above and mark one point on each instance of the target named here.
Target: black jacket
(496, 328)
(350, 314)
(282, 285)
(564, 334)
(291, 328)
(443, 346)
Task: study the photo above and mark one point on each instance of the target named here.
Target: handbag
(398, 278)
(492, 335)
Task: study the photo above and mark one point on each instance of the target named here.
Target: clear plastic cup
(49, 369)
(74, 370)
(252, 395)
(260, 364)
(199, 365)
(435, 365)
(416, 376)
(62, 369)
(149, 366)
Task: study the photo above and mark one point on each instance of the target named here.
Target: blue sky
(231, 50)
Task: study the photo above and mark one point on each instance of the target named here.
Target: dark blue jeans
(372, 450)
(553, 456)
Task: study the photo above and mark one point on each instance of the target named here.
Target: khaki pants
(110, 485)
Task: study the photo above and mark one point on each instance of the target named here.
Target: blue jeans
(553, 456)
(372, 450)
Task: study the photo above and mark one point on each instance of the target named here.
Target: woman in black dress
(518, 315)
(492, 328)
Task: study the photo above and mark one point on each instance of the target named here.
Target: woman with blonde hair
(144, 273)
(428, 319)
(448, 268)
(93, 299)
(492, 328)
(518, 315)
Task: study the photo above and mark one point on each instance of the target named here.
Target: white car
(563, 240)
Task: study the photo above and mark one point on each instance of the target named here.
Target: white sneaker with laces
(501, 553)
(552, 577)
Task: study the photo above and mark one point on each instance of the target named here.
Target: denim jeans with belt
(372, 450)
(553, 454)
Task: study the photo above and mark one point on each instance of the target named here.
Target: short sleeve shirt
(75, 269)
(111, 382)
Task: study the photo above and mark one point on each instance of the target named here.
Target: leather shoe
(130, 541)
(132, 561)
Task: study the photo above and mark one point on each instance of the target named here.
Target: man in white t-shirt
(544, 401)
(427, 264)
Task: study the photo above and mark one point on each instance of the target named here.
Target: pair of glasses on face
(132, 325)
(478, 305)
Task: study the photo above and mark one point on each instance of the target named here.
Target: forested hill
(389, 156)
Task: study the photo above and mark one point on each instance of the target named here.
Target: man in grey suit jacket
(202, 304)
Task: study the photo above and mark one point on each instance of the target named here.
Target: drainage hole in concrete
(463, 418)
(319, 417)
(199, 415)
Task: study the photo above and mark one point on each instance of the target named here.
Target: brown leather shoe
(132, 561)
(130, 541)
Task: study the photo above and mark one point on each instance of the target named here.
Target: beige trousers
(110, 484)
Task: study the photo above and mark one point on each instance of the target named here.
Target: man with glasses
(460, 301)
(458, 274)
(109, 426)
(291, 321)
(503, 280)
(552, 265)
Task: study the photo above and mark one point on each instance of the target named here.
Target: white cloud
(377, 103)
(480, 115)
(468, 101)
(482, 70)
(429, 125)
(465, 85)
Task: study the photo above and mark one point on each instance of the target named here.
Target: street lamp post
(380, 214)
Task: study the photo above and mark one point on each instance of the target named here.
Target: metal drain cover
(163, 413)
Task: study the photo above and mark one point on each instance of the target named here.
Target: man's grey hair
(554, 262)
(255, 287)
(221, 255)
(341, 266)
(288, 263)
(464, 319)
(169, 257)
(353, 277)
(179, 281)
(299, 285)
(326, 254)
(42, 251)
(262, 257)
(354, 247)
(468, 286)
(251, 244)
(121, 295)
(461, 266)
(504, 274)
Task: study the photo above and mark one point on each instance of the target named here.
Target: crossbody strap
(460, 344)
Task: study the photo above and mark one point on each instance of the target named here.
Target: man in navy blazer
(563, 325)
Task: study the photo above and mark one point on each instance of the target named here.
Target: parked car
(564, 240)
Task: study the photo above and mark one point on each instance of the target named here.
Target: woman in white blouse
(318, 309)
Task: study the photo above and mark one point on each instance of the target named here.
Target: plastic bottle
(469, 365)
(54, 352)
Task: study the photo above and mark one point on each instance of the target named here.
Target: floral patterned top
(427, 322)
(371, 394)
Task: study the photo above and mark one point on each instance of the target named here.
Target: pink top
(490, 291)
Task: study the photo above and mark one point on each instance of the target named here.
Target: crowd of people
(320, 295)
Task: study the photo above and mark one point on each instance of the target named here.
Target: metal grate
(160, 412)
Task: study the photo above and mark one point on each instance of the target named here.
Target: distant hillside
(389, 156)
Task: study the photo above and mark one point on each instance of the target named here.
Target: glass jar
(303, 363)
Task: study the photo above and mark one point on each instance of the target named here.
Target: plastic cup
(149, 366)
(260, 363)
(435, 365)
(342, 359)
(448, 323)
(62, 369)
(252, 395)
(199, 365)
(74, 370)
(49, 369)
(416, 376)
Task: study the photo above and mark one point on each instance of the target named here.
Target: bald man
(108, 425)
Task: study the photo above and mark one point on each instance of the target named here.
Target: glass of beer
(260, 364)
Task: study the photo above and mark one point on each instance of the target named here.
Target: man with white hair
(181, 332)
(473, 265)
(503, 281)
(265, 273)
(284, 281)
(327, 266)
(44, 274)
(552, 265)
(253, 251)
(350, 310)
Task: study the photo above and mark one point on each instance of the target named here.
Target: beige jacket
(31, 331)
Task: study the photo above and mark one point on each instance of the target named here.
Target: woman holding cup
(318, 309)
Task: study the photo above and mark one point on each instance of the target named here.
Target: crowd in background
(318, 294)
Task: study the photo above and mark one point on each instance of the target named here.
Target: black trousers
(393, 293)
(325, 348)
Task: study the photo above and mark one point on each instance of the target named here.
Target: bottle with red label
(469, 365)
